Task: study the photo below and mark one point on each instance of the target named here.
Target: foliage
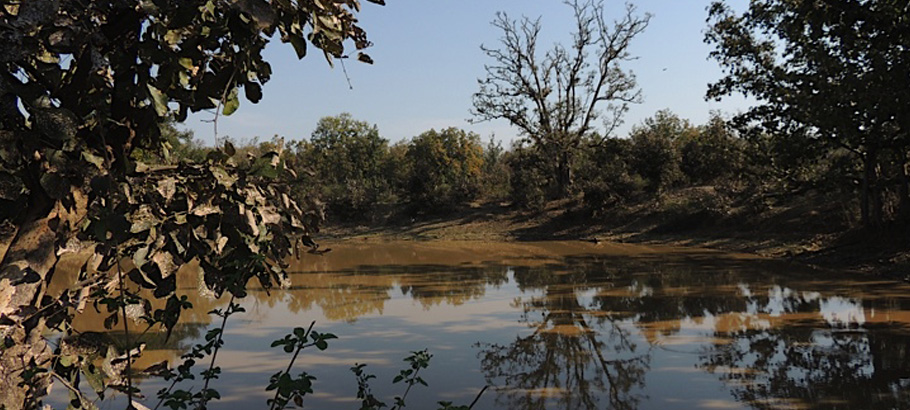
(288, 388)
(710, 153)
(655, 155)
(445, 167)
(349, 160)
(176, 145)
(182, 399)
(495, 171)
(528, 178)
(82, 86)
(606, 177)
(825, 71)
(555, 98)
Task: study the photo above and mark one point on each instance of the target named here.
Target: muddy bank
(797, 234)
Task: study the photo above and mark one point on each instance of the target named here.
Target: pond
(571, 325)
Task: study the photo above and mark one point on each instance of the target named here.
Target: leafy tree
(349, 159)
(554, 99)
(527, 186)
(710, 153)
(834, 72)
(606, 175)
(82, 85)
(496, 173)
(655, 155)
(445, 167)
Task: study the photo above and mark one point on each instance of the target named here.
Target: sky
(428, 59)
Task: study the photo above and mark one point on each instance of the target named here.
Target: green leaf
(159, 99)
(93, 159)
(299, 45)
(231, 102)
(364, 58)
(253, 92)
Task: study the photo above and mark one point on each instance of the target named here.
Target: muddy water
(565, 325)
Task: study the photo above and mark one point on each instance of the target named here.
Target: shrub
(350, 161)
(654, 154)
(528, 181)
(605, 176)
(444, 167)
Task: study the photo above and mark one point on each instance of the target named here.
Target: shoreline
(884, 253)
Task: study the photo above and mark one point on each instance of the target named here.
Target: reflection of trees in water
(815, 368)
(349, 294)
(573, 356)
(808, 347)
(453, 286)
(832, 360)
(582, 314)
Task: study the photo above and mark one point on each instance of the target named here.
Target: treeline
(350, 168)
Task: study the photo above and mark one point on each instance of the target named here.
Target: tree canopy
(555, 98)
(834, 71)
(84, 84)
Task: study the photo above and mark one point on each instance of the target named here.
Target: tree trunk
(564, 175)
(903, 189)
(871, 200)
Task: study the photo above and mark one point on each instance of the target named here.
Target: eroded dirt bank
(800, 235)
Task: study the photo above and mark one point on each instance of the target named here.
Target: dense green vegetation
(665, 155)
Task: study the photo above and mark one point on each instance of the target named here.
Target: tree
(445, 167)
(350, 159)
(711, 153)
(655, 155)
(837, 72)
(554, 99)
(82, 85)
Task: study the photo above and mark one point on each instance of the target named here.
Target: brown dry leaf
(269, 215)
(167, 188)
(165, 262)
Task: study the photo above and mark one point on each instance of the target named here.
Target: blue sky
(427, 60)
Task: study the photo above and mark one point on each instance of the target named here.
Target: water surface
(569, 325)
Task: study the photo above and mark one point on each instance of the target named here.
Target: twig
(221, 104)
(291, 364)
(346, 76)
(70, 387)
(478, 396)
(126, 331)
(205, 387)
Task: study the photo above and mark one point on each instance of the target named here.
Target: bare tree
(555, 99)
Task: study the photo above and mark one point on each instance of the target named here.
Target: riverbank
(815, 231)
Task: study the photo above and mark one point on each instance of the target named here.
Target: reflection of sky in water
(837, 311)
(701, 327)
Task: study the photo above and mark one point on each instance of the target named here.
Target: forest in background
(711, 171)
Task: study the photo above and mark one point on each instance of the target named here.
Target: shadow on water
(581, 326)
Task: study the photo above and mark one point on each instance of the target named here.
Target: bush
(496, 172)
(654, 154)
(710, 154)
(605, 177)
(529, 181)
(444, 168)
(351, 163)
